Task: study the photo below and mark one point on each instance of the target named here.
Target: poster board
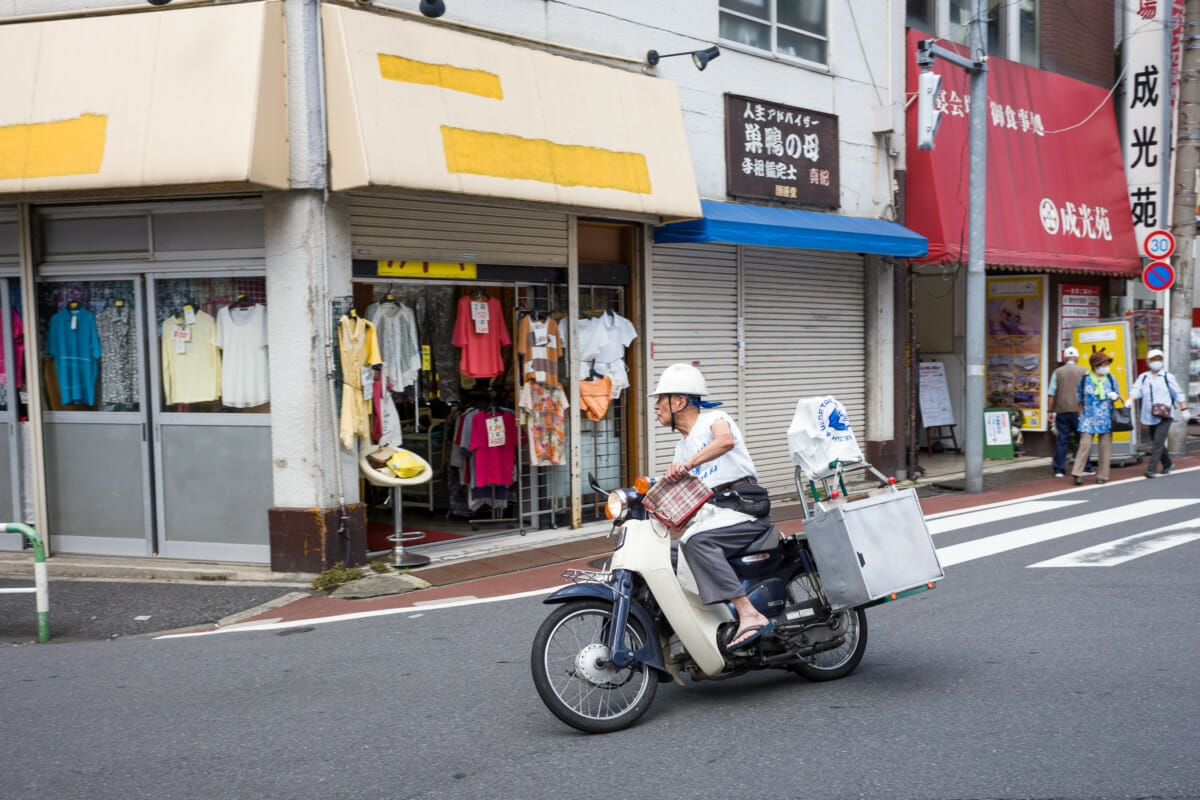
(997, 433)
(934, 395)
(1017, 338)
(1115, 337)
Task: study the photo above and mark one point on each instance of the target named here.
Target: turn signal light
(642, 484)
(607, 511)
(893, 595)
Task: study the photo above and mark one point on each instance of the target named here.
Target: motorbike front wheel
(575, 677)
(842, 660)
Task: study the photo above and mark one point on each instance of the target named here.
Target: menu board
(934, 395)
(1016, 346)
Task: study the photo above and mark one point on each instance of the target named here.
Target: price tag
(426, 359)
(481, 314)
(74, 321)
(181, 335)
(495, 431)
(189, 315)
(368, 382)
(541, 334)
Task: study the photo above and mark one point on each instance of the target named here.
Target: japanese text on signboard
(780, 153)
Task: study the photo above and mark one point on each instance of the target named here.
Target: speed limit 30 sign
(1159, 245)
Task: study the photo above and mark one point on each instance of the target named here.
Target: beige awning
(417, 106)
(165, 98)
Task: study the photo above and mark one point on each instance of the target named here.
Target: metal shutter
(412, 229)
(695, 309)
(804, 329)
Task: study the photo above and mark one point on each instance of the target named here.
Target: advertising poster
(1017, 322)
(1147, 324)
(934, 395)
(1112, 337)
(1077, 305)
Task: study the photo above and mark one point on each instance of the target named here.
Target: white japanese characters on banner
(1147, 93)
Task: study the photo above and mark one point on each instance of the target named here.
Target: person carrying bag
(1158, 392)
(1097, 395)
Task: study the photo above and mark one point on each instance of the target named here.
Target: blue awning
(734, 223)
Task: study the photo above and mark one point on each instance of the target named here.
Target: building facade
(194, 229)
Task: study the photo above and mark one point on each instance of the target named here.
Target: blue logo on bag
(837, 420)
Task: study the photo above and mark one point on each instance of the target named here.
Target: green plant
(335, 576)
(381, 564)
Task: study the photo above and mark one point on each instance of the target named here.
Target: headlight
(617, 506)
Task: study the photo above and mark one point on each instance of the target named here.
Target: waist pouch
(749, 499)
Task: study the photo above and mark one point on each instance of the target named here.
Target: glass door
(211, 418)
(11, 354)
(95, 425)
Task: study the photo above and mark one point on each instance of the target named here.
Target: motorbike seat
(768, 541)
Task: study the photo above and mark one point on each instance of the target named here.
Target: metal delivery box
(871, 548)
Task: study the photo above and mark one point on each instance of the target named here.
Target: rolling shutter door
(804, 329)
(413, 229)
(695, 319)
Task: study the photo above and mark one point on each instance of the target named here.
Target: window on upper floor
(1027, 19)
(921, 15)
(792, 28)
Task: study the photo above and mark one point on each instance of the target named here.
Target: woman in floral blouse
(1097, 392)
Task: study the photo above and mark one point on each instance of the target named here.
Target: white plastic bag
(820, 433)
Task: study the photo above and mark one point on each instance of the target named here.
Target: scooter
(599, 656)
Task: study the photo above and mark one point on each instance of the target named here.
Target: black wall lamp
(433, 8)
(699, 57)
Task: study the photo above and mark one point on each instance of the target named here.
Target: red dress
(480, 349)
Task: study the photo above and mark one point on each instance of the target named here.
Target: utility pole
(976, 66)
(1183, 218)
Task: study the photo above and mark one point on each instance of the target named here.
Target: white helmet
(1070, 352)
(681, 379)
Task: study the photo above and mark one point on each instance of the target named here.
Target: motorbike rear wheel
(576, 680)
(844, 659)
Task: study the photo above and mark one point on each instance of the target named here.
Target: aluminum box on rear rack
(867, 550)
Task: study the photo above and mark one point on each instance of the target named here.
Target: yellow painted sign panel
(427, 269)
(47, 149)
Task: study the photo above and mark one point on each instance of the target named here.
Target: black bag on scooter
(749, 499)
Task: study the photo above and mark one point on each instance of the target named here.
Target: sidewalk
(98, 598)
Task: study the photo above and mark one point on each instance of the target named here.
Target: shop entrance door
(211, 419)
(98, 494)
(10, 421)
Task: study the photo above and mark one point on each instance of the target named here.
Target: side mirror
(592, 482)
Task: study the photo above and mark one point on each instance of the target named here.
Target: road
(1049, 663)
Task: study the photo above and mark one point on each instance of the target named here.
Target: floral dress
(1095, 415)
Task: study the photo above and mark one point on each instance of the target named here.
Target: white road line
(1119, 551)
(1048, 495)
(972, 518)
(1003, 542)
(381, 612)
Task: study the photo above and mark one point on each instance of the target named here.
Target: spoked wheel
(842, 660)
(575, 677)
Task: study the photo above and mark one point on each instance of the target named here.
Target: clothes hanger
(243, 301)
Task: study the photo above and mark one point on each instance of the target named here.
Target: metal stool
(401, 558)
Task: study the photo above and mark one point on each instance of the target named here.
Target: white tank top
(731, 466)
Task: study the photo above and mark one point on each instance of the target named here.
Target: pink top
(18, 349)
(493, 465)
(481, 351)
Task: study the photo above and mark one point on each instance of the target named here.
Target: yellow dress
(359, 347)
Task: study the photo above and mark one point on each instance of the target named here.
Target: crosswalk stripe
(972, 518)
(1003, 542)
(1119, 551)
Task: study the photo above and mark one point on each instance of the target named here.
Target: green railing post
(39, 576)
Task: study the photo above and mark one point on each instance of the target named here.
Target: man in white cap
(712, 449)
(1158, 393)
(1064, 407)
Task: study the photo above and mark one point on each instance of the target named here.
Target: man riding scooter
(713, 450)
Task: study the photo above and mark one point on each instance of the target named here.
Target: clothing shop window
(212, 344)
(89, 345)
(18, 352)
(796, 29)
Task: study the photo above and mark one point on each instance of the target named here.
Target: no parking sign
(1158, 276)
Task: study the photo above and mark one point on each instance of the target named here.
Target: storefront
(1059, 243)
(134, 325)
(776, 304)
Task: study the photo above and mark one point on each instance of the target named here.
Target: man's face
(663, 405)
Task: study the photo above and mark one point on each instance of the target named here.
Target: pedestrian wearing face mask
(1158, 393)
(1096, 394)
(1064, 407)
